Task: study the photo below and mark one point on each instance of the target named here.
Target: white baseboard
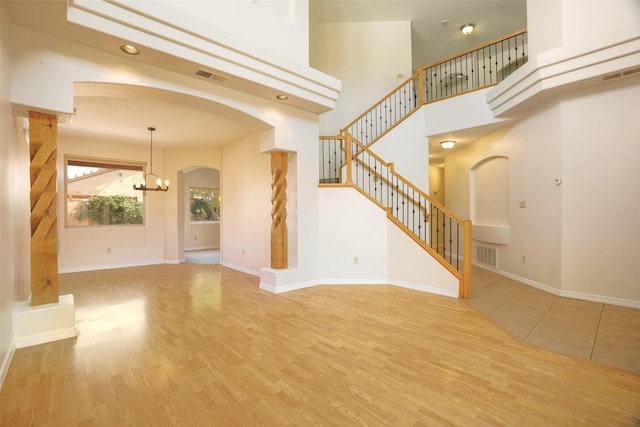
(426, 288)
(287, 288)
(200, 248)
(240, 268)
(363, 282)
(33, 325)
(603, 299)
(6, 362)
(111, 266)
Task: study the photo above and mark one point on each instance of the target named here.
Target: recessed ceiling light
(447, 144)
(282, 97)
(129, 49)
(467, 28)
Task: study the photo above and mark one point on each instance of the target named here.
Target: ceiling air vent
(622, 74)
(209, 75)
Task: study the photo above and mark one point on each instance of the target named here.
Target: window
(204, 204)
(101, 193)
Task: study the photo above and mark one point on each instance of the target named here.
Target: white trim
(201, 248)
(425, 288)
(6, 362)
(112, 266)
(240, 268)
(287, 288)
(46, 337)
(355, 282)
(603, 299)
(555, 69)
(532, 283)
(33, 325)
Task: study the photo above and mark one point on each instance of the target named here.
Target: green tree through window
(101, 193)
(204, 204)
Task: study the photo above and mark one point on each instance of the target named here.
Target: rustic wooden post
(44, 236)
(279, 242)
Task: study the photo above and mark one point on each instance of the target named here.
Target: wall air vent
(209, 75)
(487, 256)
(621, 74)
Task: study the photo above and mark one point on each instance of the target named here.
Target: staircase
(348, 160)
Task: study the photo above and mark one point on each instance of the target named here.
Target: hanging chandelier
(146, 183)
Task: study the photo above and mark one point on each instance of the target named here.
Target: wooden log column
(43, 129)
(279, 242)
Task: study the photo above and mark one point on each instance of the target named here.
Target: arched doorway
(201, 212)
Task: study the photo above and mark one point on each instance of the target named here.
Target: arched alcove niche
(490, 200)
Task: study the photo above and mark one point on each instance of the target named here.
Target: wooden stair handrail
(419, 75)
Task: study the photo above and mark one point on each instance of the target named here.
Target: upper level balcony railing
(474, 69)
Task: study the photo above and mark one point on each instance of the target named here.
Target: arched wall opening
(199, 210)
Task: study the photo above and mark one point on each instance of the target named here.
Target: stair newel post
(279, 239)
(465, 291)
(348, 144)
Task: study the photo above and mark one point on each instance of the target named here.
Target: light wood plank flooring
(201, 345)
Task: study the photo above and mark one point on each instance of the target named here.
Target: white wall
(179, 161)
(408, 148)
(366, 57)
(359, 245)
(15, 275)
(264, 29)
(601, 191)
(200, 235)
(246, 207)
(351, 226)
(100, 247)
(533, 151)
(579, 238)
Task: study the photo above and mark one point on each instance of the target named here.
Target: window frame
(115, 164)
(213, 221)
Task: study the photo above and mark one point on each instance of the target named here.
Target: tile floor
(604, 333)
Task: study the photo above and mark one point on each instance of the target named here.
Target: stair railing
(475, 69)
(436, 229)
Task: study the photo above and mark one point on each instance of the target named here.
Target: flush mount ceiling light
(447, 144)
(466, 29)
(129, 49)
(143, 185)
(282, 97)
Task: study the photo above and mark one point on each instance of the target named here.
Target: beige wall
(246, 211)
(15, 232)
(345, 51)
(601, 191)
(577, 237)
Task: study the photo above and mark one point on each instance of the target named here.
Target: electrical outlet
(356, 260)
(523, 204)
(108, 250)
(243, 252)
(524, 258)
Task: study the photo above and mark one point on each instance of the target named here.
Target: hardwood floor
(201, 345)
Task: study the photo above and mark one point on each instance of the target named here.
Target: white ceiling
(112, 117)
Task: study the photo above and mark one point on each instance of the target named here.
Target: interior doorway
(202, 216)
